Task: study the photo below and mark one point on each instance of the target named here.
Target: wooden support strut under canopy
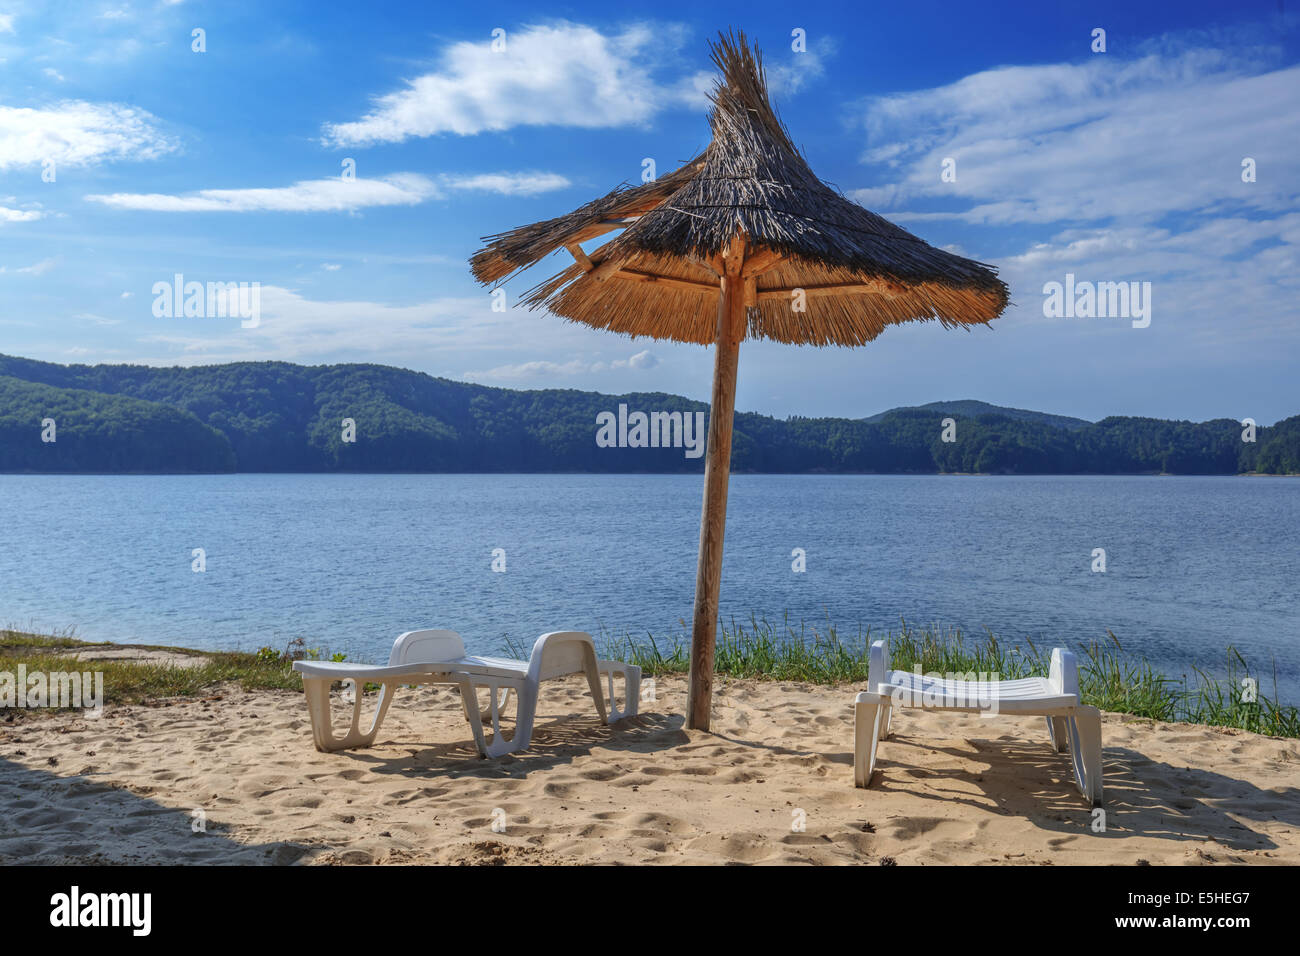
(600, 270)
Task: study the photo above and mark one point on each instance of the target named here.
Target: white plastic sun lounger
(1056, 697)
(438, 657)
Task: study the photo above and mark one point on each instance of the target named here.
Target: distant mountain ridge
(972, 408)
(281, 417)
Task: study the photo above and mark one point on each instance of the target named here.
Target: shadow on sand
(555, 742)
(1144, 797)
(46, 818)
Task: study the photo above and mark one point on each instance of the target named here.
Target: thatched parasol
(742, 241)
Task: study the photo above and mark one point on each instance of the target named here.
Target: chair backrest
(559, 653)
(421, 647)
(1063, 673)
(878, 664)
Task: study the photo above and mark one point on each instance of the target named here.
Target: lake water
(350, 561)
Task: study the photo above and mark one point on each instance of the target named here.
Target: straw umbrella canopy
(743, 241)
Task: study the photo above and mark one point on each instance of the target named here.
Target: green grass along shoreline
(1110, 677)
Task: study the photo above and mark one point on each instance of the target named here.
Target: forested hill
(970, 408)
(278, 417)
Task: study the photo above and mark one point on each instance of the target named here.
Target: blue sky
(225, 165)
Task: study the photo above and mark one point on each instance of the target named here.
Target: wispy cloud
(35, 269)
(335, 194)
(450, 331)
(543, 369)
(507, 184)
(313, 195)
(561, 74)
(788, 76)
(1094, 168)
(8, 214)
(90, 318)
(78, 133)
(1043, 144)
(295, 328)
(1230, 280)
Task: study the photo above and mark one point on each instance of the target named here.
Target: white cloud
(331, 266)
(694, 90)
(314, 195)
(1090, 141)
(542, 369)
(641, 360)
(508, 184)
(785, 78)
(1116, 170)
(19, 215)
(448, 332)
(1229, 280)
(527, 370)
(78, 133)
(6, 23)
(336, 194)
(561, 74)
(39, 268)
(53, 74)
(294, 328)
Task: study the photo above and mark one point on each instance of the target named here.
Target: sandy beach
(233, 778)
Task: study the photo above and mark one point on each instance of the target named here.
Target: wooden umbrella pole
(717, 471)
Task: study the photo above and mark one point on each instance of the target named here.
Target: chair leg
(523, 717)
(594, 685)
(317, 691)
(1085, 749)
(1058, 732)
(631, 688)
(866, 735)
(886, 717)
(525, 711)
(500, 746)
(469, 703)
(318, 711)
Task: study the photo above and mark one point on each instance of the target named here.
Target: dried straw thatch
(661, 277)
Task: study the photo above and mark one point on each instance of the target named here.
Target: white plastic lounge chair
(1055, 697)
(438, 657)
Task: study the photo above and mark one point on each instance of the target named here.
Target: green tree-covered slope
(279, 417)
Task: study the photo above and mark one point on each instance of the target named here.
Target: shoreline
(141, 673)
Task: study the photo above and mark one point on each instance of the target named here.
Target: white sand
(951, 789)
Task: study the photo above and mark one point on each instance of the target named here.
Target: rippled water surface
(350, 561)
